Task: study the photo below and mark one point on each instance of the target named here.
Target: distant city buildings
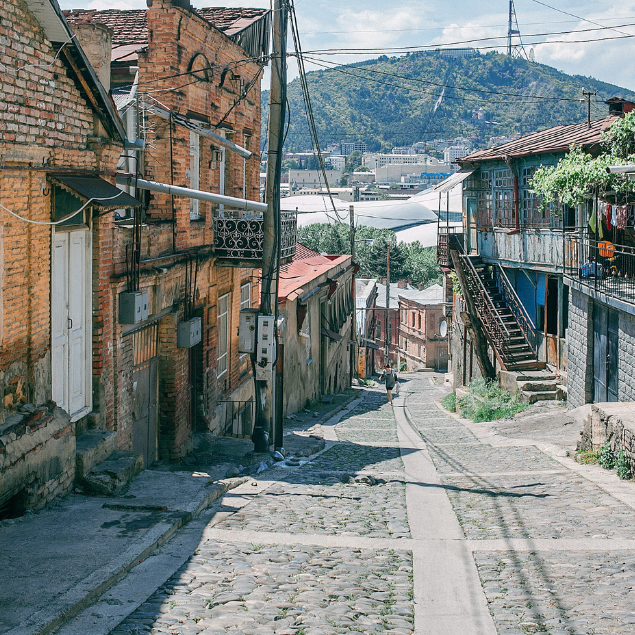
(355, 146)
(451, 154)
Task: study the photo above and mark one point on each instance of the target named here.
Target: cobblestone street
(408, 521)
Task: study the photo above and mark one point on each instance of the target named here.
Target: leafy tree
(411, 261)
(579, 173)
(353, 161)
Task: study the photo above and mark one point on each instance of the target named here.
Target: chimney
(402, 284)
(96, 41)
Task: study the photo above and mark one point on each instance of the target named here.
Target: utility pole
(388, 334)
(588, 94)
(351, 212)
(265, 401)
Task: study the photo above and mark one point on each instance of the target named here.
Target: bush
(623, 467)
(486, 401)
(586, 457)
(607, 457)
(449, 402)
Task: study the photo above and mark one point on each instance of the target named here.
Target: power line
(307, 102)
(440, 46)
(577, 16)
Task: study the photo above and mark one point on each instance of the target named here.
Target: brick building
(422, 342)
(60, 138)
(185, 81)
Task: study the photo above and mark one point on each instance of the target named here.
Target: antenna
(515, 50)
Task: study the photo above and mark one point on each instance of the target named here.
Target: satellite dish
(443, 328)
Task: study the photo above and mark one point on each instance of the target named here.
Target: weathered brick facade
(46, 125)
(179, 41)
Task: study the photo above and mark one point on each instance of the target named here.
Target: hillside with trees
(423, 96)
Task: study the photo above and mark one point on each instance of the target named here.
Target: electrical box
(188, 333)
(133, 307)
(266, 348)
(247, 326)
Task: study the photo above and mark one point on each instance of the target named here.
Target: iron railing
(601, 265)
(449, 238)
(496, 329)
(239, 419)
(239, 236)
(514, 304)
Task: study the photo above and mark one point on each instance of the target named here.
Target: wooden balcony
(239, 237)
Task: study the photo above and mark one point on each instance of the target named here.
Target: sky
(378, 25)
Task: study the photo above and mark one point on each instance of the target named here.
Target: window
(531, 214)
(245, 303)
(504, 198)
(223, 335)
(419, 320)
(195, 173)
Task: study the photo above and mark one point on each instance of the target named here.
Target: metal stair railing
(514, 304)
(495, 328)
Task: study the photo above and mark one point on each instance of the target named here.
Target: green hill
(391, 101)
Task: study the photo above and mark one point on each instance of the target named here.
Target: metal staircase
(506, 325)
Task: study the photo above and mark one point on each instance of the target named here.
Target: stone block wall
(37, 458)
(580, 345)
(626, 357)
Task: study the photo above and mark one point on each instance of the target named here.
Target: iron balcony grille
(602, 266)
(449, 238)
(239, 235)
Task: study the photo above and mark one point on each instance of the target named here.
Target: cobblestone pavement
(249, 587)
(326, 548)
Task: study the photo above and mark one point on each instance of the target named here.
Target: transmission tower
(514, 50)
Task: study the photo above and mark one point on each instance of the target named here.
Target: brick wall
(178, 41)
(580, 344)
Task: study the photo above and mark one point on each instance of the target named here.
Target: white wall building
(451, 154)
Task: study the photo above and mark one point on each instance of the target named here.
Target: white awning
(452, 181)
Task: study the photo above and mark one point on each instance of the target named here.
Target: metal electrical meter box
(266, 349)
(188, 333)
(247, 325)
(133, 307)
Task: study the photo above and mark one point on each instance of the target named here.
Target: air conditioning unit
(188, 333)
(133, 307)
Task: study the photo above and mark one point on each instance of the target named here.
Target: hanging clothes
(614, 215)
(621, 216)
(609, 210)
(593, 221)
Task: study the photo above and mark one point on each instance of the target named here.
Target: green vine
(578, 174)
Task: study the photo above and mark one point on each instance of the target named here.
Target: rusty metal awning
(96, 190)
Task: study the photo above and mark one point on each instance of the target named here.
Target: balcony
(449, 238)
(239, 237)
(601, 266)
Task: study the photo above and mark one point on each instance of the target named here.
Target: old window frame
(222, 342)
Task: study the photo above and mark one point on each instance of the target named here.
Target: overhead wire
(295, 32)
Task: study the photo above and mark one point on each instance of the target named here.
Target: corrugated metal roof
(299, 273)
(451, 182)
(557, 139)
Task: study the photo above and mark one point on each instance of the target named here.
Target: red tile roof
(306, 266)
(131, 26)
(558, 139)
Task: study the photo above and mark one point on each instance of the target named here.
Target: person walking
(390, 377)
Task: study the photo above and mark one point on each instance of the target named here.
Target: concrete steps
(102, 469)
(533, 385)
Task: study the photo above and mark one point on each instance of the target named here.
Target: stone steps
(102, 469)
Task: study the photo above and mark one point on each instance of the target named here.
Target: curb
(96, 584)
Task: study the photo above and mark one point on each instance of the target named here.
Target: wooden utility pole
(265, 400)
(588, 94)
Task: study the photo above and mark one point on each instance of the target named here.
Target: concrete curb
(90, 588)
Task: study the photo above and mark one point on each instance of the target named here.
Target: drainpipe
(187, 192)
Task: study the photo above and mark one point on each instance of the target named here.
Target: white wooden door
(70, 321)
